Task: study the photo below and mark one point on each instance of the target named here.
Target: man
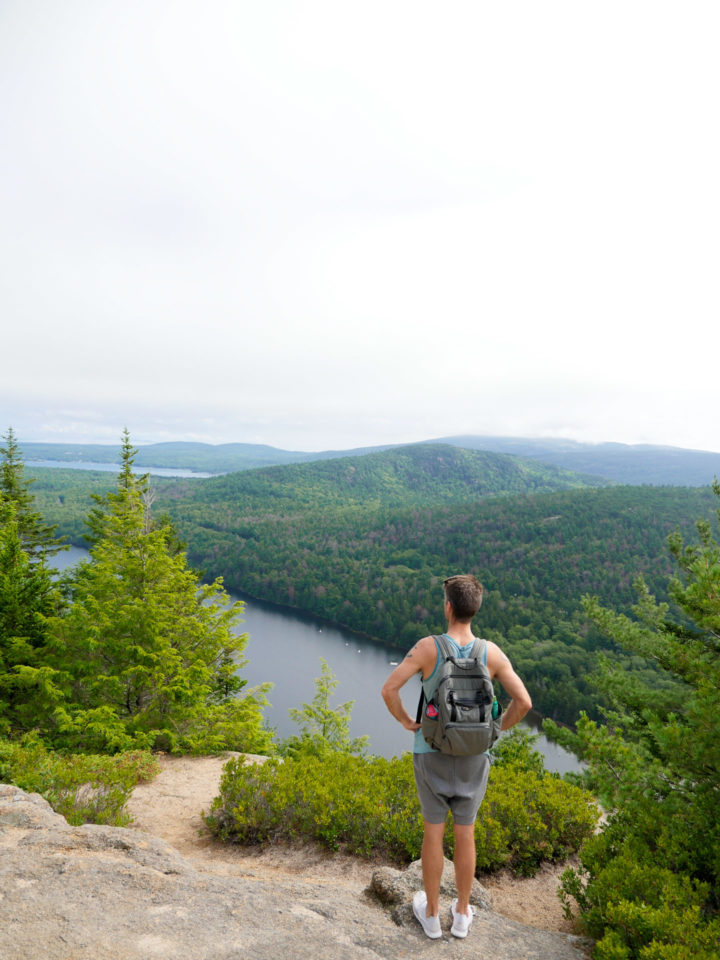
(445, 782)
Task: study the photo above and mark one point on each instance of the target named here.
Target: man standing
(446, 782)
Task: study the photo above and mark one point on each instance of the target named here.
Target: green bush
(516, 747)
(528, 817)
(84, 788)
(368, 805)
(649, 885)
(633, 901)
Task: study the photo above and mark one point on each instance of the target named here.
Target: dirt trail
(171, 807)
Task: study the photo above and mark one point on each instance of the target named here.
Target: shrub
(368, 805)
(516, 747)
(84, 788)
(528, 817)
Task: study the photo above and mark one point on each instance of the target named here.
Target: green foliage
(28, 599)
(368, 805)
(529, 817)
(326, 788)
(645, 464)
(28, 596)
(377, 566)
(633, 901)
(139, 655)
(516, 748)
(84, 788)
(649, 884)
(323, 729)
(37, 537)
(359, 802)
(146, 656)
(67, 496)
(417, 474)
(367, 541)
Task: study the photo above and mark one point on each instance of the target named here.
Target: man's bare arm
(416, 661)
(501, 669)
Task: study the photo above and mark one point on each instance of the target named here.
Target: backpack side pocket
(430, 724)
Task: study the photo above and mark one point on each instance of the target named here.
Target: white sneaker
(431, 925)
(461, 921)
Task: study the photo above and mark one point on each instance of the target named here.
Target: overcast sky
(330, 224)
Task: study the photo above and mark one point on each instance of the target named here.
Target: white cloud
(314, 225)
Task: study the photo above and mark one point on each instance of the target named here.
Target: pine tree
(149, 655)
(650, 882)
(323, 729)
(132, 491)
(38, 538)
(28, 598)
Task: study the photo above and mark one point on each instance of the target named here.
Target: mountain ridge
(420, 472)
(623, 463)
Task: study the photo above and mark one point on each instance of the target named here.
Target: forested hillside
(619, 462)
(367, 541)
(379, 569)
(423, 473)
(428, 474)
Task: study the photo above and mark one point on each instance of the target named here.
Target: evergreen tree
(132, 492)
(323, 729)
(149, 656)
(38, 538)
(650, 882)
(28, 598)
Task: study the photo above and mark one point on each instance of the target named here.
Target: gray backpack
(459, 720)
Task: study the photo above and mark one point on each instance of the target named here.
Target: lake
(115, 468)
(286, 647)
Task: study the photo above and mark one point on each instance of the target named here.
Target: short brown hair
(464, 593)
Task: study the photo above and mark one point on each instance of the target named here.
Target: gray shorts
(450, 783)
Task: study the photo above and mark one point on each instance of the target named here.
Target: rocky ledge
(107, 893)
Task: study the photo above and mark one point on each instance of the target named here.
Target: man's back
(445, 782)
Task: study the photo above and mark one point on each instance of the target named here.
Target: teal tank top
(430, 686)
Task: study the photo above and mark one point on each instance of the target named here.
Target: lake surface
(285, 647)
(114, 468)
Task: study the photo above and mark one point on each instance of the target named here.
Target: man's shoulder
(496, 659)
(428, 641)
(425, 646)
(426, 652)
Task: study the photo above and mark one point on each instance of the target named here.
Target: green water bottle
(495, 708)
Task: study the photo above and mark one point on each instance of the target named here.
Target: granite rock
(83, 893)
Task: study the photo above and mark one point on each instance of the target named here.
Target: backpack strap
(418, 715)
(479, 650)
(446, 650)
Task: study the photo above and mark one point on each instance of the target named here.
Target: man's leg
(433, 861)
(464, 864)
